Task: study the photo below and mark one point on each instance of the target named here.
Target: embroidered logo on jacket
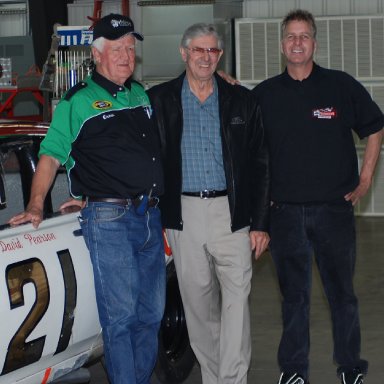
(100, 104)
(324, 113)
(237, 120)
(108, 116)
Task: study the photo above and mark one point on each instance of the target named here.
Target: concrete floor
(266, 318)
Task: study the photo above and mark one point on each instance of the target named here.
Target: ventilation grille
(351, 44)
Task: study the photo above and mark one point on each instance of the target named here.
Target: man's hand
(371, 155)
(259, 242)
(32, 214)
(228, 78)
(72, 205)
(359, 192)
(35, 214)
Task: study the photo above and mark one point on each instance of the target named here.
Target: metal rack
(69, 60)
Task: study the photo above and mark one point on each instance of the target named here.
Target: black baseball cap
(114, 26)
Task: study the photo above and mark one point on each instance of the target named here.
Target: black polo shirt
(309, 126)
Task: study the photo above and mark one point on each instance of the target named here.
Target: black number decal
(21, 353)
(70, 299)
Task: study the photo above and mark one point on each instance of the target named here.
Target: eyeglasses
(201, 51)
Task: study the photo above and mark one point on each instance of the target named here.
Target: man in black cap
(103, 132)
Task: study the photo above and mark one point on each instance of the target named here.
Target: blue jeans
(129, 271)
(328, 231)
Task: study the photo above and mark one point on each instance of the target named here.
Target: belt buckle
(204, 194)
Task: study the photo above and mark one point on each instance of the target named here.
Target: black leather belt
(206, 194)
(152, 202)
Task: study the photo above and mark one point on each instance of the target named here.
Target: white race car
(49, 320)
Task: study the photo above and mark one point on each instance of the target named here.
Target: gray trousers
(214, 270)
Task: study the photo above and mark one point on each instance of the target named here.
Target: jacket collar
(108, 85)
(222, 86)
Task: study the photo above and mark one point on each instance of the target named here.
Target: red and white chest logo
(324, 113)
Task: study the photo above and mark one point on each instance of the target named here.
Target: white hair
(99, 43)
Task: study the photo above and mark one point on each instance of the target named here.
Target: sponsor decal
(102, 104)
(78, 35)
(324, 113)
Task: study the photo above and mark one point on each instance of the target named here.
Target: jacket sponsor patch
(108, 116)
(237, 120)
(324, 113)
(102, 104)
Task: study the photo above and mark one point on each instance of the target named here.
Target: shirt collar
(108, 85)
(186, 90)
(290, 81)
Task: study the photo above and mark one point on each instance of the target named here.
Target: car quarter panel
(47, 301)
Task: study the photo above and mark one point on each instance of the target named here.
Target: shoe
(352, 377)
(291, 378)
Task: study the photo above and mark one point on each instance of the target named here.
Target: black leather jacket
(245, 154)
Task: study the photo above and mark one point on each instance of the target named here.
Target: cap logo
(120, 23)
(114, 26)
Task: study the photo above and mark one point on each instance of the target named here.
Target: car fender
(47, 300)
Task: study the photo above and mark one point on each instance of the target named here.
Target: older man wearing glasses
(215, 207)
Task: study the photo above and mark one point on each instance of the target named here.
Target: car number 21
(21, 353)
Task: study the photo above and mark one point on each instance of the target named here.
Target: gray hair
(99, 43)
(299, 15)
(198, 30)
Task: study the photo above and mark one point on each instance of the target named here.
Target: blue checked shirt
(201, 150)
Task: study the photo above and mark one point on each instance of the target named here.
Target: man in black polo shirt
(103, 132)
(309, 113)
